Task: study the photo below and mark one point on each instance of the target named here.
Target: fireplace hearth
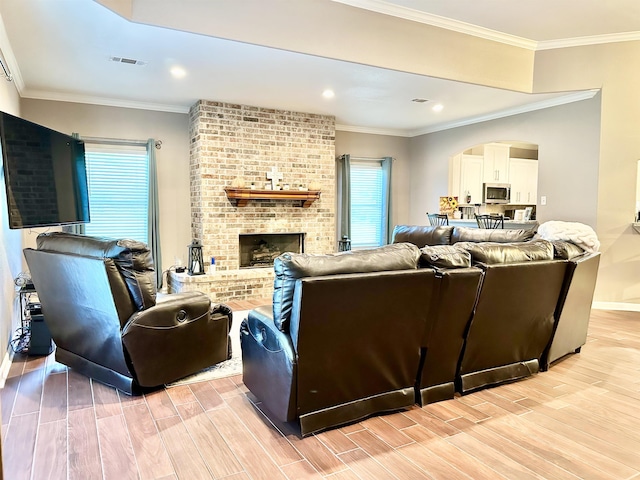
(259, 250)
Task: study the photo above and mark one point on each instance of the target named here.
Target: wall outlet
(543, 200)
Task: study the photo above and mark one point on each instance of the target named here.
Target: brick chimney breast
(229, 142)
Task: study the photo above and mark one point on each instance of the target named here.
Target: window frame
(130, 183)
(367, 166)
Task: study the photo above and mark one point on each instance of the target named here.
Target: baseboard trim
(629, 307)
(6, 365)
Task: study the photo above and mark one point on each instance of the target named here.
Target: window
(118, 178)
(369, 204)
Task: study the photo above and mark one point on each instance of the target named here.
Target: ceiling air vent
(129, 61)
(420, 100)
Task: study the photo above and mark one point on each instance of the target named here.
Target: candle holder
(196, 266)
(344, 245)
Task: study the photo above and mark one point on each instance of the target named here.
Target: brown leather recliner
(449, 313)
(342, 339)
(99, 301)
(513, 319)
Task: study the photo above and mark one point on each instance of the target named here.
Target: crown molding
(591, 40)
(552, 102)
(373, 131)
(108, 102)
(531, 107)
(380, 6)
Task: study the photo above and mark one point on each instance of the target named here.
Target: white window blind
(368, 204)
(118, 178)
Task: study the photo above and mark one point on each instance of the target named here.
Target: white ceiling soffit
(564, 12)
(368, 99)
(388, 8)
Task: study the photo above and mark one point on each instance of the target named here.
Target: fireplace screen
(261, 249)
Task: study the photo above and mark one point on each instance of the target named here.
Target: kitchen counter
(511, 224)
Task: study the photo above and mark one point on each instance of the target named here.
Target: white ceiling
(60, 50)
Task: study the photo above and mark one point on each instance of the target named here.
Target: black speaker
(40, 343)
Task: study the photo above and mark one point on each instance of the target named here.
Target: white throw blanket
(582, 235)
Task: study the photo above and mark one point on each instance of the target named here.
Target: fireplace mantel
(241, 196)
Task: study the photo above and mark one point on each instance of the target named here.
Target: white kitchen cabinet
(471, 171)
(454, 175)
(523, 177)
(465, 177)
(496, 163)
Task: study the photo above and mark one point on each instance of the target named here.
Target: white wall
(614, 68)
(172, 158)
(378, 146)
(10, 240)
(568, 140)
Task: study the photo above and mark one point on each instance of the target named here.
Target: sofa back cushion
(499, 235)
(421, 235)
(289, 267)
(444, 256)
(492, 253)
(132, 259)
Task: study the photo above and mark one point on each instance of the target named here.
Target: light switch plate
(543, 200)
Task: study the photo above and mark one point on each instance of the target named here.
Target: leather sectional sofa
(442, 309)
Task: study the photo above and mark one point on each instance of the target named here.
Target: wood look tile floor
(579, 420)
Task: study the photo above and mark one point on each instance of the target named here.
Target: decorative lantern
(196, 265)
(344, 245)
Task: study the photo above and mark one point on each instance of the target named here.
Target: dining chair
(490, 221)
(438, 219)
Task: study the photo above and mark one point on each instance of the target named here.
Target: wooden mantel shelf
(240, 196)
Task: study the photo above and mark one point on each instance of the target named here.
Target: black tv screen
(44, 173)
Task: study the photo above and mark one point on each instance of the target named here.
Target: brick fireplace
(235, 145)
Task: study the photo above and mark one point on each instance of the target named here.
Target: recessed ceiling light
(437, 107)
(178, 72)
(328, 93)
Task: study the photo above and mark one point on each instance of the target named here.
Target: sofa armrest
(269, 363)
(265, 333)
(182, 297)
(177, 337)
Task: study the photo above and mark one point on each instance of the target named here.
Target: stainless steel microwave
(496, 193)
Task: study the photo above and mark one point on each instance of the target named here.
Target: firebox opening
(261, 249)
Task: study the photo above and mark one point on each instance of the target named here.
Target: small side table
(27, 293)
(33, 336)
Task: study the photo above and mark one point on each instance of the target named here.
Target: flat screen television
(44, 174)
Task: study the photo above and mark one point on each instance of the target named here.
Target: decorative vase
(237, 182)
